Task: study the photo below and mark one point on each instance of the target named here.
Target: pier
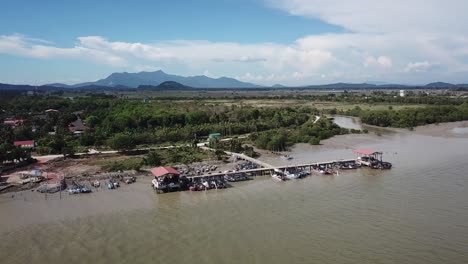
(268, 169)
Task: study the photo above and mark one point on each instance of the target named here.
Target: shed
(214, 135)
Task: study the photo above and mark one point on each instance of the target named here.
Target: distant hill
(440, 85)
(133, 80)
(169, 85)
(62, 85)
(278, 86)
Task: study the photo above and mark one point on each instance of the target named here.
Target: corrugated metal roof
(162, 171)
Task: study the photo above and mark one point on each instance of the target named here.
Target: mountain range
(133, 80)
(159, 80)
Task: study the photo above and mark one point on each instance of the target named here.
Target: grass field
(296, 103)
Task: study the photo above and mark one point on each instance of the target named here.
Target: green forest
(114, 122)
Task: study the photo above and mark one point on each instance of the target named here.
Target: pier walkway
(267, 170)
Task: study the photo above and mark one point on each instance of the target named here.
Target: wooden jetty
(268, 169)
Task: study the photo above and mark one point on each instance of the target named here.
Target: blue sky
(292, 42)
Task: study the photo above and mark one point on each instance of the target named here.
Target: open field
(308, 103)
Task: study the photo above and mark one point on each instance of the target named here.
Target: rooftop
(163, 171)
(24, 143)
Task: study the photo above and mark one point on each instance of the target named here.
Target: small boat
(85, 189)
(286, 157)
(74, 190)
(278, 177)
(291, 176)
(326, 172)
(206, 184)
(79, 189)
(303, 174)
(110, 185)
(381, 165)
(220, 184)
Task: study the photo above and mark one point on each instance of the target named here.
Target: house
(165, 179)
(13, 122)
(402, 93)
(77, 127)
(51, 111)
(25, 144)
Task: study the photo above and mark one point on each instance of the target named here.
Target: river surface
(415, 213)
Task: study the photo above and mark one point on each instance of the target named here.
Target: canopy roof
(163, 171)
(366, 151)
(24, 143)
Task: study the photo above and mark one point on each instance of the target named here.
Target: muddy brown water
(415, 213)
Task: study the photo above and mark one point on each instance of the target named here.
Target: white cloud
(422, 66)
(28, 47)
(383, 16)
(381, 61)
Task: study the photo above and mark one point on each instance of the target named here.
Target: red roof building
(13, 122)
(25, 144)
(164, 171)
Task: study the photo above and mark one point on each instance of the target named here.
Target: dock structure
(265, 168)
(269, 169)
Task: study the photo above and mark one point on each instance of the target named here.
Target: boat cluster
(208, 183)
(77, 188)
(375, 163)
(112, 183)
(237, 177)
(289, 174)
(246, 166)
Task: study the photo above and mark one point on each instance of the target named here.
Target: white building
(402, 93)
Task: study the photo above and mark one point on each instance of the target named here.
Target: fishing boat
(381, 165)
(110, 185)
(79, 189)
(206, 184)
(278, 175)
(291, 175)
(326, 171)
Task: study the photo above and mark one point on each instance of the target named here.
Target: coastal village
(58, 173)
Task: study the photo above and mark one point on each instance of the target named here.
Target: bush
(314, 141)
(124, 165)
